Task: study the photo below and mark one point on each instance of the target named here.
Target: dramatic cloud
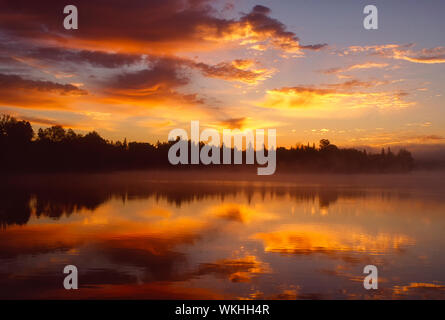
(430, 56)
(152, 63)
(237, 70)
(135, 60)
(161, 84)
(163, 77)
(15, 82)
(17, 91)
(163, 74)
(139, 23)
(145, 26)
(95, 58)
(257, 26)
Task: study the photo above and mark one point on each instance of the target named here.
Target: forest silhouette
(55, 149)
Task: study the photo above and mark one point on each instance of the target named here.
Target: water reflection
(145, 237)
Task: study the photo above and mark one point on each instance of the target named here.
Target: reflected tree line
(59, 149)
(58, 195)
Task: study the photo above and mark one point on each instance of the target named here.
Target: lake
(193, 235)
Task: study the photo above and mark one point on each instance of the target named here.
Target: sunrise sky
(138, 69)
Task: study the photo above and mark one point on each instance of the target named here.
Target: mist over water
(209, 235)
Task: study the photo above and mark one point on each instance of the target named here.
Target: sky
(309, 69)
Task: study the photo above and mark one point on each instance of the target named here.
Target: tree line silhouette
(59, 149)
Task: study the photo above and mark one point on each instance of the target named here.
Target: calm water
(150, 236)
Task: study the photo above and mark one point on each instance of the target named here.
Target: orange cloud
(237, 70)
(233, 123)
(428, 56)
(331, 97)
(15, 82)
(260, 31)
(27, 93)
(401, 52)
